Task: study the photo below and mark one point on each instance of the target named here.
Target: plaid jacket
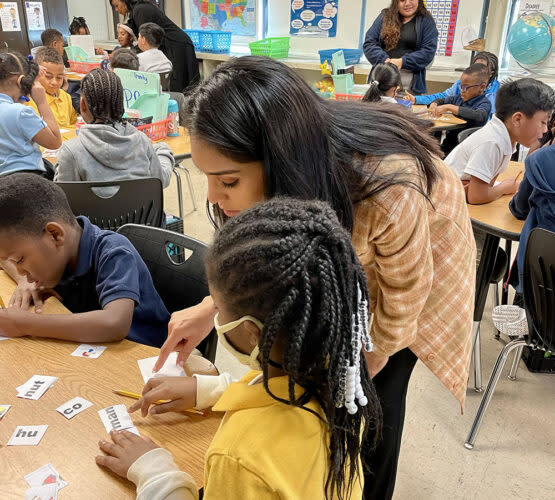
(419, 258)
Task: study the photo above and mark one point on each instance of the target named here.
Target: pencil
(134, 395)
(2, 305)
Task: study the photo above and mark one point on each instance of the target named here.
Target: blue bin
(194, 35)
(352, 56)
(214, 41)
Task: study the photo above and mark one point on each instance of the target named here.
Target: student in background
(54, 39)
(385, 81)
(151, 59)
(471, 105)
(51, 77)
(98, 274)
(547, 138)
(79, 26)
(124, 59)
(487, 59)
(21, 130)
(126, 38)
(295, 311)
(523, 109)
(107, 149)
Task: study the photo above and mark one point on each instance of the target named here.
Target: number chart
(445, 14)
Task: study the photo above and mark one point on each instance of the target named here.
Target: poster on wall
(35, 16)
(313, 18)
(444, 13)
(237, 16)
(9, 16)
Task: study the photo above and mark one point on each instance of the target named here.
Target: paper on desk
(170, 369)
(64, 130)
(35, 387)
(116, 418)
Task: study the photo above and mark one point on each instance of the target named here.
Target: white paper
(4, 338)
(47, 492)
(27, 435)
(170, 369)
(44, 476)
(9, 16)
(3, 410)
(74, 407)
(86, 42)
(116, 418)
(35, 387)
(35, 16)
(89, 351)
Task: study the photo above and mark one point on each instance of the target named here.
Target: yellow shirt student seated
(51, 77)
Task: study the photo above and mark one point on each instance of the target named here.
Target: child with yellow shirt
(51, 77)
(292, 303)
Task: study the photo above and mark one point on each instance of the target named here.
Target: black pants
(391, 385)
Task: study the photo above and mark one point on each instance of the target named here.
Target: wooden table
(444, 122)
(73, 76)
(71, 445)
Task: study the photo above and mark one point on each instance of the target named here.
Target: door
(13, 26)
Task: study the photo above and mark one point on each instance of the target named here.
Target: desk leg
(505, 291)
(483, 278)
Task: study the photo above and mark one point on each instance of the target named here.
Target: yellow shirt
(61, 106)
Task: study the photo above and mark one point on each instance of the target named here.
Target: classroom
(261, 249)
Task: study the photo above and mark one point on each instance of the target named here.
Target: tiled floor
(514, 456)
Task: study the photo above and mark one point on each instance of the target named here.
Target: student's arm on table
(106, 325)
(161, 163)
(429, 98)
(478, 115)
(49, 137)
(404, 273)
(150, 467)
(479, 192)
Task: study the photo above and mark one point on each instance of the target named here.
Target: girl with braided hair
(21, 130)
(107, 148)
(292, 302)
(258, 131)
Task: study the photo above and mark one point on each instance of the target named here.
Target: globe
(531, 39)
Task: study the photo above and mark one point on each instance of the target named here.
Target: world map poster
(237, 16)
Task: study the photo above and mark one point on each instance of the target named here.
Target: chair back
(165, 80)
(176, 264)
(466, 133)
(538, 288)
(111, 204)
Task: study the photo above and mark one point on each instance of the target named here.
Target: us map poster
(445, 14)
(314, 18)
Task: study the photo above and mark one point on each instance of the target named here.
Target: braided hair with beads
(103, 92)
(291, 264)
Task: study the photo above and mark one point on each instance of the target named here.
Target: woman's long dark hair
(392, 23)
(258, 109)
(291, 264)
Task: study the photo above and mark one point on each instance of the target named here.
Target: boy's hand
(181, 391)
(38, 93)
(510, 186)
(9, 324)
(27, 293)
(125, 449)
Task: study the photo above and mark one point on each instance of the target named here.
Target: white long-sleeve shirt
(154, 61)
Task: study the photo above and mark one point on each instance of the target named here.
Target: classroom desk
(444, 122)
(497, 221)
(71, 445)
(73, 76)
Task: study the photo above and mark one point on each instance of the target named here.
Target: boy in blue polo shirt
(98, 274)
(470, 105)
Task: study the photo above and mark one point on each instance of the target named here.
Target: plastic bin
(352, 56)
(275, 47)
(348, 97)
(156, 131)
(217, 42)
(194, 35)
(83, 67)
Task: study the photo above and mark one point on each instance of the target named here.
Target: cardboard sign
(137, 83)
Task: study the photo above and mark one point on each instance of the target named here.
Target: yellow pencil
(2, 305)
(518, 175)
(134, 395)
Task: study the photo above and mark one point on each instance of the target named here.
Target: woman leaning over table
(379, 169)
(404, 34)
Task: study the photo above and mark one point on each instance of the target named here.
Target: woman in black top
(176, 44)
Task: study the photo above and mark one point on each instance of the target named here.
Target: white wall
(98, 15)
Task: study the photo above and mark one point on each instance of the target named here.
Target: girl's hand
(397, 62)
(180, 391)
(38, 93)
(186, 330)
(432, 108)
(124, 451)
(27, 293)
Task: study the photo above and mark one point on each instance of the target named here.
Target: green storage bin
(76, 54)
(275, 47)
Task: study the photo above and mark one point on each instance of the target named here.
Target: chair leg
(179, 192)
(190, 184)
(486, 398)
(496, 302)
(516, 361)
(477, 356)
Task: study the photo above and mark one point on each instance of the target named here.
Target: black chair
(175, 262)
(165, 80)
(466, 133)
(112, 204)
(539, 303)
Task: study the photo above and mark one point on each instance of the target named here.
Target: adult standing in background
(176, 45)
(404, 34)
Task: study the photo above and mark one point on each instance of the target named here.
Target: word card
(45, 476)
(4, 338)
(116, 418)
(27, 435)
(47, 492)
(170, 369)
(3, 410)
(35, 387)
(74, 407)
(89, 351)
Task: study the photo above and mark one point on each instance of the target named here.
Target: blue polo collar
(84, 259)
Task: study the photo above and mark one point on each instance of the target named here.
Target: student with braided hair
(258, 131)
(107, 148)
(292, 303)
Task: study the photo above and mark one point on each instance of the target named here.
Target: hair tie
(376, 83)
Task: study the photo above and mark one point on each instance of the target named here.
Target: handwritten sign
(137, 83)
